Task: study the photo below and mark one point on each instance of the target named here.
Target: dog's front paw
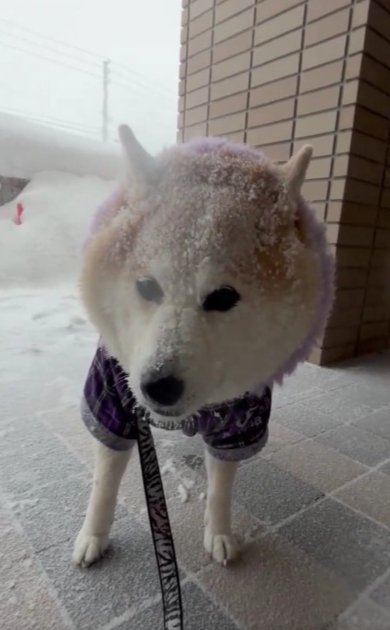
(89, 548)
(221, 547)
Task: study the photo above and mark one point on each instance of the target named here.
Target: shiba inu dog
(207, 277)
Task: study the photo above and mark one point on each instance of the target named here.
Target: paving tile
(381, 594)
(67, 423)
(318, 465)
(282, 588)
(364, 616)
(20, 399)
(279, 436)
(131, 493)
(82, 445)
(54, 513)
(371, 393)
(370, 366)
(187, 521)
(360, 445)
(374, 378)
(306, 420)
(369, 494)
(340, 403)
(33, 456)
(307, 376)
(306, 382)
(378, 423)
(50, 382)
(26, 598)
(302, 578)
(272, 494)
(350, 545)
(197, 608)
(92, 597)
(186, 517)
(385, 468)
(282, 397)
(26, 433)
(190, 451)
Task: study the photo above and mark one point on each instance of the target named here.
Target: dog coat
(231, 430)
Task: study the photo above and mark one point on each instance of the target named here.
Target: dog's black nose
(163, 391)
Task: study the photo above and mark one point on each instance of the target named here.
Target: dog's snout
(165, 391)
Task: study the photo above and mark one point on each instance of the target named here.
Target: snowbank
(27, 148)
(46, 248)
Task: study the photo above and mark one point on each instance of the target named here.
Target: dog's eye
(223, 299)
(150, 290)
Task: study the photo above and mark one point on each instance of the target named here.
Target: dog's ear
(295, 169)
(140, 166)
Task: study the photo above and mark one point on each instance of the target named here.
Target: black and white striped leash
(160, 527)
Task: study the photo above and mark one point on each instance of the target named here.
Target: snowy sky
(142, 35)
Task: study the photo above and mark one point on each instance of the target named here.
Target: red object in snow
(18, 214)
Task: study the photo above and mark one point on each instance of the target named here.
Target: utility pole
(106, 80)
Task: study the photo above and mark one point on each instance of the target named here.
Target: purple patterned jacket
(233, 430)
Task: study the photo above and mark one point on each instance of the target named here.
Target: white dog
(207, 278)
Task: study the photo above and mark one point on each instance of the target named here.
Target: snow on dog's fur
(200, 217)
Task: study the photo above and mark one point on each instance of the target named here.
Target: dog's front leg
(218, 538)
(92, 539)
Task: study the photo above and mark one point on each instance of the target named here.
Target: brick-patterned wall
(281, 73)
(369, 169)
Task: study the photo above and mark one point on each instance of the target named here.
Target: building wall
(280, 73)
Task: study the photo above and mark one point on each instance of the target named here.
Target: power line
(148, 106)
(141, 89)
(125, 83)
(98, 58)
(135, 78)
(52, 119)
(52, 39)
(139, 75)
(50, 48)
(133, 83)
(55, 61)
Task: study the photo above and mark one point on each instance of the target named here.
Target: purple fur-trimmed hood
(313, 228)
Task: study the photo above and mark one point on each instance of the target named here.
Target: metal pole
(106, 74)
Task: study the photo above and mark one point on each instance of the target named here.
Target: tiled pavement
(314, 509)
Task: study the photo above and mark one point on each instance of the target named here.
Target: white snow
(45, 338)
(28, 148)
(168, 467)
(46, 248)
(183, 493)
(187, 483)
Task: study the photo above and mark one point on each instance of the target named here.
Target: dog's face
(203, 283)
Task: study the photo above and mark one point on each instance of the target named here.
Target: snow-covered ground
(45, 339)
(28, 148)
(46, 248)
